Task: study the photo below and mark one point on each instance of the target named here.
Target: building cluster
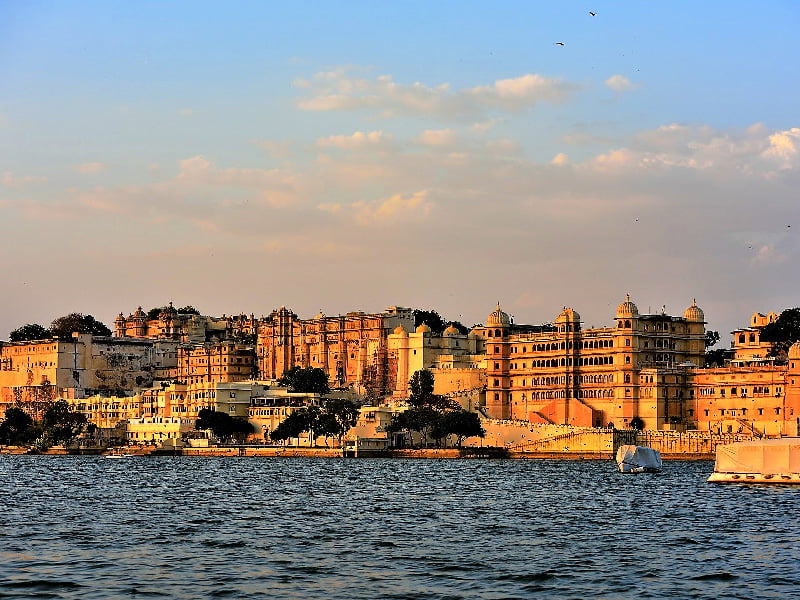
(149, 380)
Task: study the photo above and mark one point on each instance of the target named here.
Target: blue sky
(338, 156)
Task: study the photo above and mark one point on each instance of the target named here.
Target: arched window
(627, 324)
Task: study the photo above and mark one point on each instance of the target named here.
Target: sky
(339, 156)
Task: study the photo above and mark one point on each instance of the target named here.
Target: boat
(123, 455)
(638, 459)
(758, 461)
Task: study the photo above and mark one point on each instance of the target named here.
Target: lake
(185, 527)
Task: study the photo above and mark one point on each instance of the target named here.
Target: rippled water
(184, 527)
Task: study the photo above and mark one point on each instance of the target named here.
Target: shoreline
(304, 452)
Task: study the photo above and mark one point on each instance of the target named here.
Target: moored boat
(638, 459)
(758, 461)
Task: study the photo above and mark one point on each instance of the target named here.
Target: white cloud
(783, 147)
(438, 137)
(357, 141)
(560, 159)
(396, 207)
(619, 83)
(339, 91)
(91, 168)
(10, 180)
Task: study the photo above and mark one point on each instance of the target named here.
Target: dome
(498, 318)
(400, 330)
(627, 310)
(694, 313)
(794, 351)
(120, 318)
(168, 311)
(568, 315)
(320, 315)
(423, 328)
(139, 314)
(451, 330)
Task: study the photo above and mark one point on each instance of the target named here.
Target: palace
(644, 370)
(592, 377)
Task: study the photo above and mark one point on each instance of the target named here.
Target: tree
(29, 332)
(717, 357)
(783, 332)
(61, 424)
(298, 422)
(421, 388)
(637, 423)
(222, 425)
(77, 323)
(462, 424)
(339, 416)
(431, 318)
(153, 313)
(712, 337)
(422, 420)
(18, 428)
(309, 380)
(188, 310)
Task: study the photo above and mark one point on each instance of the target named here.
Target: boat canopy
(759, 456)
(633, 459)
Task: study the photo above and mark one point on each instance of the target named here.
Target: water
(184, 527)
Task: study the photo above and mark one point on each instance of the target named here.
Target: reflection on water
(86, 527)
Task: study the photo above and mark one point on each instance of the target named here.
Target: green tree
(712, 337)
(717, 357)
(431, 318)
(783, 332)
(309, 380)
(64, 327)
(18, 428)
(298, 422)
(29, 332)
(60, 424)
(340, 415)
(223, 426)
(462, 424)
(417, 419)
(188, 310)
(155, 311)
(421, 388)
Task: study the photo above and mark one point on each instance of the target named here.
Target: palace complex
(155, 373)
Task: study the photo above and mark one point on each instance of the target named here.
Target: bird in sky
(559, 43)
(594, 14)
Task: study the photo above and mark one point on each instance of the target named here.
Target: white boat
(638, 459)
(124, 455)
(758, 461)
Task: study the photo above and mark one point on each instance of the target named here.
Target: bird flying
(559, 43)
(594, 14)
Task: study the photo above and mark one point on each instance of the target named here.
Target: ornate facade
(186, 328)
(352, 349)
(567, 375)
